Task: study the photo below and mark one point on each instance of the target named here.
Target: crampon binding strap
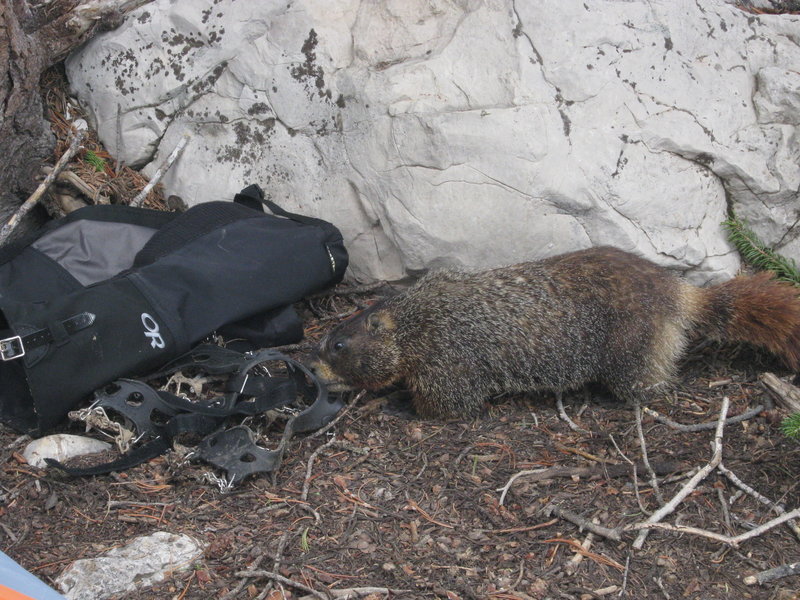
(249, 389)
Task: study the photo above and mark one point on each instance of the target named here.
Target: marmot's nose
(313, 363)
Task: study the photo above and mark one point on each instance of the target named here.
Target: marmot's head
(360, 353)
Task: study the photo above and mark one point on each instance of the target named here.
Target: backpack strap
(253, 197)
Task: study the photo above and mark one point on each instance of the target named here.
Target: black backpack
(115, 291)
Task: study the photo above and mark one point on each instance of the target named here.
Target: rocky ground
(391, 501)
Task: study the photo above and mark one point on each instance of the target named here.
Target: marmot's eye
(338, 346)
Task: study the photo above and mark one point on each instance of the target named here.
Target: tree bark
(34, 36)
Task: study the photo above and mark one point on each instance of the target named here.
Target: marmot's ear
(379, 321)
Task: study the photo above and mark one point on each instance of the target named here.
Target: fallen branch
(576, 560)
(140, 197)
(645, 460)
(703, 426)
(691, 485)
(84, 188)
(778, 509)
(786, 395)
(612, 534)
(310, 466)
(360, 592)
(244, 580)
(598, 558)
(661, 468)
(260, 573)
(773, 574)
(338, 418)
(732, 541)
(34, 198)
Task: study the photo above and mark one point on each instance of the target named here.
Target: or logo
(152, 331)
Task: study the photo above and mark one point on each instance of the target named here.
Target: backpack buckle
(12, 348)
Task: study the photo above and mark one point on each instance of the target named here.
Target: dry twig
(338, 418)
(140, 197)
(732, 541)
(360, 592)
(310, 466)
(576, 560)
(34, 198)
(284, 580)
(645, 460)
(703, 426)
(691, 485)
(612, 534)
(778, 509)
(773, 574)
(661, 468)
(786, 395)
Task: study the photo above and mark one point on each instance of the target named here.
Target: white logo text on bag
(152, 331)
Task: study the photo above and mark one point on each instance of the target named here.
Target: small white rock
(61, 447)
(141, 563)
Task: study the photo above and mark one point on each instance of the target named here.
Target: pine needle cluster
(756, 254)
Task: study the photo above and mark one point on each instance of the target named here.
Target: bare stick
(773, 574)
(513, 478)
(564, 416)
(786, 395)
(283, 580)
(310, 465)
(338, 418)
(645, 460)
(726, 514)
(84, 188)
(690, 485)
(576, 560)
(243, 582)
(625, 575)
(32, 200)
(732, 541)
(635, 476)
(567, 515)
(140, 197)
(703, 426)
(360, 592)
(735, 541)
(774, 506)
(748, 490)
(661, 468)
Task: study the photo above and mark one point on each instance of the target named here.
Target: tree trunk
(34, 36)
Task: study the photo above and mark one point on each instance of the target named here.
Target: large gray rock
(137, 565)
(466, 132)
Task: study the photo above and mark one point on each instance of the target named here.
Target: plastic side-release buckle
(12, 348)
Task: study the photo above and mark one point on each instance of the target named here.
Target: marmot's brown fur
(600, 314)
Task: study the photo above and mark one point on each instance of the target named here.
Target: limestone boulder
(468, 133)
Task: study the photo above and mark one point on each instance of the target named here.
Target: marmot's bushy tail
(757, 309)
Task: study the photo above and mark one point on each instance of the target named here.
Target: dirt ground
(415, 506)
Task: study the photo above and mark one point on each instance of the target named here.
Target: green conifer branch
(756, 254)
(791, 426)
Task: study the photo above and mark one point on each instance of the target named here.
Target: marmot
(596, 315)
